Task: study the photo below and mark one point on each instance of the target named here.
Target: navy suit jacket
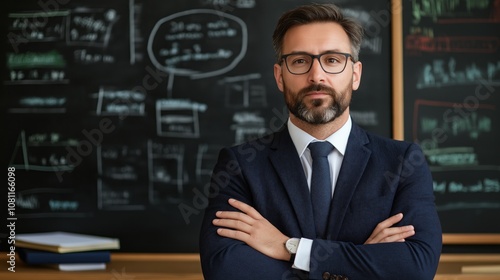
(379, 177)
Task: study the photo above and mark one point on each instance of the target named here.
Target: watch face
(291, 245)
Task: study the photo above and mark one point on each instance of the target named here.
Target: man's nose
(316, 73)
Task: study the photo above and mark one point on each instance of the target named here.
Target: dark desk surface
(142, 266)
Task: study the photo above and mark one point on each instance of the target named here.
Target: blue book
(30, 256)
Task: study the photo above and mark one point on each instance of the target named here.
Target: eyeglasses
(331, 62)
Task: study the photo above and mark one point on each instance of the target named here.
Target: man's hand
(384, 232)
(253, 229)
(250, 227)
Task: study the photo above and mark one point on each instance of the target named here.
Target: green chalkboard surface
(452, 106)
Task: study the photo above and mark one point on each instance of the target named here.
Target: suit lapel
(353, 165)
(287, 164)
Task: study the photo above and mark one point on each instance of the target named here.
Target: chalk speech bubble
(198, 43)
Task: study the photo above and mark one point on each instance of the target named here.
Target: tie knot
(320, 149)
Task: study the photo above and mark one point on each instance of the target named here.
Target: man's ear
(278, 76)
(356, 75)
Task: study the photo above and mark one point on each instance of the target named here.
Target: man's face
(317, 97)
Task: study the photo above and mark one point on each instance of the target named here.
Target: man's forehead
(316, 34)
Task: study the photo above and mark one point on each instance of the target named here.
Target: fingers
(236, 225)
(407, 231)
(389, 222)
(236, 216)
(385, 232)
(393, 234)
(234, 234)
(234, 220)
(245, 208)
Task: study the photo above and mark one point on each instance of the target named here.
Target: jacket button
(326, 275)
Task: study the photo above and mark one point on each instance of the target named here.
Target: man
(263, 220)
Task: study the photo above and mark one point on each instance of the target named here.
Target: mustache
(317, 87)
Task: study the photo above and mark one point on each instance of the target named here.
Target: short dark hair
(317, 13)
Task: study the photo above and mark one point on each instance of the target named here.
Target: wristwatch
(291, 246)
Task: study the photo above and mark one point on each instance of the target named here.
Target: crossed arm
(256, 231)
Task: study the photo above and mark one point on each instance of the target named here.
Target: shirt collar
(301, 139)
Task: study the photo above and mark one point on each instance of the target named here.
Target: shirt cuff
(303, 256)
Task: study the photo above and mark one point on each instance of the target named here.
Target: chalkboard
(116, 110)
(452, 106)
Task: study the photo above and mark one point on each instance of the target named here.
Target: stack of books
(66, 251)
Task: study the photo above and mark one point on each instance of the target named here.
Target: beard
(315, 112)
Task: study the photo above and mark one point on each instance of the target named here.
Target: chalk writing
(91, 27)
(178, 118)
(248, 126)
(436, 9)
(84, 56)
(373, 26)
(37, 26)
(242, 92)
(42, 152)
(112, 102)
(179, 43)
(455, 44)
(486, 185)
(36, 67)
(206, 158)
(365, 118)
(166, 172)
(472, 125)
(121, 169)
(449, 72)
(61, 205)
(460, 156)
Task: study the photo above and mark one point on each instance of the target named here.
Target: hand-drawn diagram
(121, 173)
(51, 152)
(242, 93)
(182, 43)
(166, 172)
(115, 102)
(178, 118)
(248, 126)
(206, 158)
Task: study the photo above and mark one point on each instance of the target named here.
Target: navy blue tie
(321, 185)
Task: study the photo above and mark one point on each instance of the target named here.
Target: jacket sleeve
(417, 257)
(224, 258)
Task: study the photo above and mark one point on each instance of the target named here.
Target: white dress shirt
(301, 140)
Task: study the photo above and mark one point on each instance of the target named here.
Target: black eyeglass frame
(317, 56)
